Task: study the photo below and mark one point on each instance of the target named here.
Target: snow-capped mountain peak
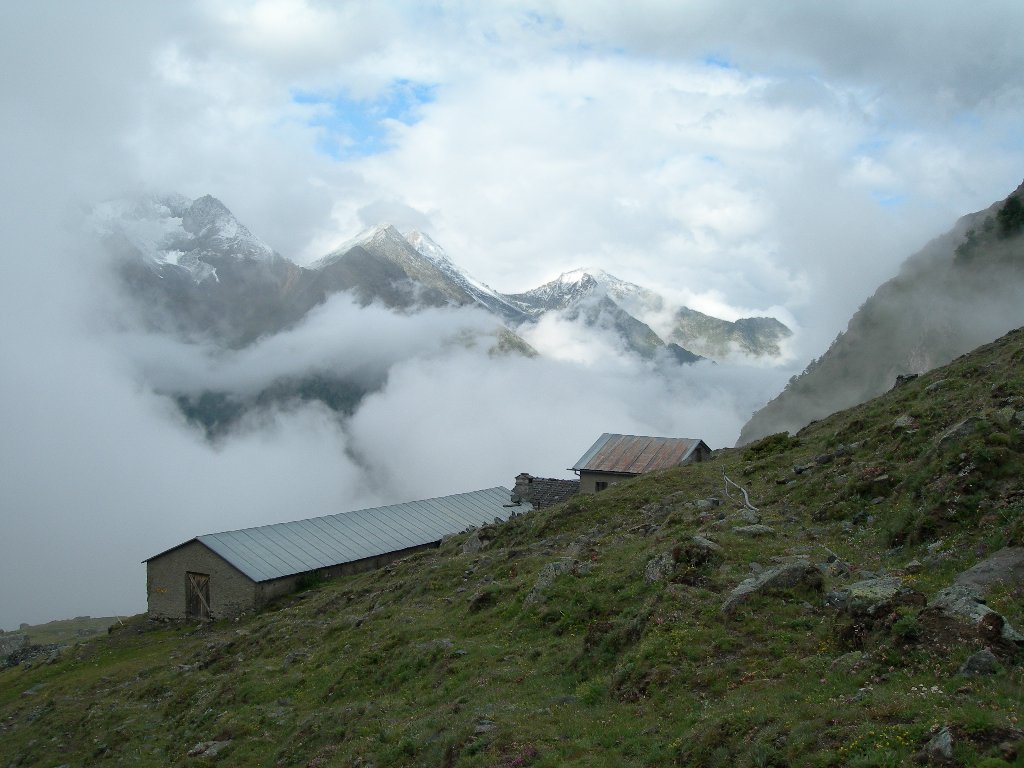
(176, 231)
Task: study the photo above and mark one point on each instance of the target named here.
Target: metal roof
(285, 549)
(635, 454)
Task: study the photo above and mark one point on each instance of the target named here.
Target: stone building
(224, 574)
(543, 491)
(617, 457)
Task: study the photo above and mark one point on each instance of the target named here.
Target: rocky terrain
(850, 595)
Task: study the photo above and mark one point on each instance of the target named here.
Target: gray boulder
(1004, 567)
(547, 577)
(799, 573)
(660, 568)
(965, 605)
(939, 750)
(873, 597)
(960, 430)
(981, 663)
(754, 530)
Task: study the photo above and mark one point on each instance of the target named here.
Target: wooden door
(197, 595)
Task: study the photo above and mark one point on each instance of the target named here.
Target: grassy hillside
(594, 634)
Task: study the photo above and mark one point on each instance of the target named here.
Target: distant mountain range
(195, 271)
(961, 290)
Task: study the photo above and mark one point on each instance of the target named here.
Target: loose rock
(549, 573)
(940, 749)
(980, 663)
(874, 597)
(799, 573)
(1004, 567)
(660, 568)
(964, 604)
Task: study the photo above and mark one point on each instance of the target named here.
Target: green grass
(441, 660)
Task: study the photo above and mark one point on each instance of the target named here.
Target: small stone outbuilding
(543, 491)
(618, 457)
(225, 574)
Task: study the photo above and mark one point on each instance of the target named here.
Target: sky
(748, 159)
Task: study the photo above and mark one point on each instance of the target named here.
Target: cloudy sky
(747, 158)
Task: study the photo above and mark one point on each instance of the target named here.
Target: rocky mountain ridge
(961, 290)
(188, 248)
(192, 270)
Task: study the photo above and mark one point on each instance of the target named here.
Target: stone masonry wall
(231, 592)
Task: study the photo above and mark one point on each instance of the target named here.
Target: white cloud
(755, 160)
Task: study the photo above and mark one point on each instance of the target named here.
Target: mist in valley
(677, 150)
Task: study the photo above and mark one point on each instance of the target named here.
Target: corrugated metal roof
(635, 454)
(285, 549)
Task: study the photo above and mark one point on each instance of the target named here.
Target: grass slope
(551, 647)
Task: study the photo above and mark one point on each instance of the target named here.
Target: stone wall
(231, 591)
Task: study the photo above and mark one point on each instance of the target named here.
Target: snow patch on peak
(581, 274)
(427, 246)
(379, 234)
(172, 230)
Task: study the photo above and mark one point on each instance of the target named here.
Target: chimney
(521, 490)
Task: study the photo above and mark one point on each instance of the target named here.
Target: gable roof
(285, 549)
(635, 454)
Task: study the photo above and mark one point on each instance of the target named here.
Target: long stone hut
(219, 575)
(616, 457)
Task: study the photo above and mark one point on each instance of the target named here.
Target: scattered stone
(709, 503)
(474, 544)
(748, 516)
(208, 748)
(699, 551)
(940, 748)
(753, 530)
(644, 529)
(936, 385)
(660, 568)
(904, 378)
(700, 542)
(1004, 567)
(834, 567)
(549, 573)
(904, 422)
(847, 662)
(799, 573)
(914, 566)
(960, 430)
(981, 663)
(484, 726)
(874, 597)
(964, 604)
